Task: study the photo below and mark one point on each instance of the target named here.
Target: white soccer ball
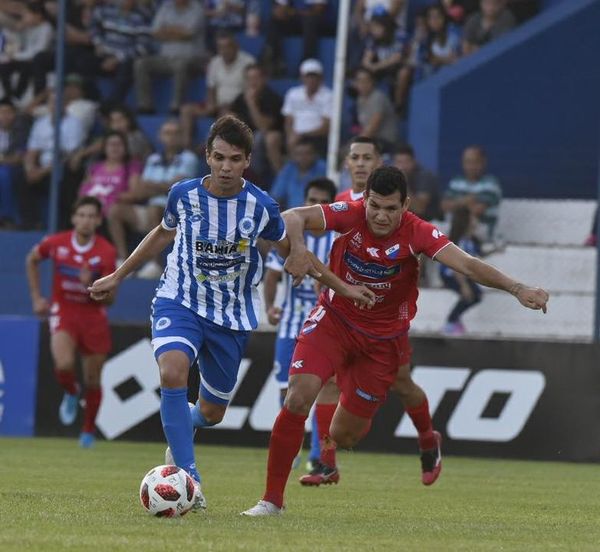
(167, 491)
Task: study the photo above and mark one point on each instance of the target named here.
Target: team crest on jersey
(246, 226)
(392, 252)
(62, 251)
(356, 240)
(339, 206)
(170, 219)
(162, 323)
(94, 260)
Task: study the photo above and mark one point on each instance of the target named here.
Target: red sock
(93, 396)
(286, 440)
(422, 420)
(66, 379)
(324, 414)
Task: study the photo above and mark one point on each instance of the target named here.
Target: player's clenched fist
(103, 288)
(299, 265)
(532, 298)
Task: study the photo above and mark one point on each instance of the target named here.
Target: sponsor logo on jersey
(211, 263)
(296, 365)
(339, 206)
(436, 233)
(373, 251)
(364, 395)
(246, 226)
(372, 285)
(221, 247)
(230, 277)
(370, 270)
(392, 252)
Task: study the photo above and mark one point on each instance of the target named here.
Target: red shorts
(364, 367)
(87, 326)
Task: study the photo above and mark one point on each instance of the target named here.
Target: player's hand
(102, 288)
(274, 315)
(41, 307)
(299, 265)
(361, 296)
(532, 298)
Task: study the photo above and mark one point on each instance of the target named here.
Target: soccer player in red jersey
(76, 321)
(378, 247)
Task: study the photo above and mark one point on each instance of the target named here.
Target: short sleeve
(171, 215)
(274, 261)
(288, 100)
(46, 247)
(427, 239)
(342, 216)
(275, 228)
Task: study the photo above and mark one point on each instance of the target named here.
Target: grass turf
(54, 496)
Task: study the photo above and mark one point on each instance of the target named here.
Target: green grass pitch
(54, 496)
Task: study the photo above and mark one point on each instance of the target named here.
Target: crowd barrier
(503, 399)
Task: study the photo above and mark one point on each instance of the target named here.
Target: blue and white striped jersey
(215, 266)
(300, 300)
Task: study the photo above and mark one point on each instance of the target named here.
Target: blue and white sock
(177, 425)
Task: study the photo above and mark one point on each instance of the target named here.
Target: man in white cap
(307, 108)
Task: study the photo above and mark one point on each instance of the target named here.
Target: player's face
(227, 164)
(361, 161)
(86, 220)
(384, 213)
(317, 197)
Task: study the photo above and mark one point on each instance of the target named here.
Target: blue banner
(19, 350)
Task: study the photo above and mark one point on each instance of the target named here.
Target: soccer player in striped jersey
(298, 303)
(207, 303)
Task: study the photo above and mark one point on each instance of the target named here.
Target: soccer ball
(167, 491)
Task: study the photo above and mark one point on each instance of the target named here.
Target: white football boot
(263, 508)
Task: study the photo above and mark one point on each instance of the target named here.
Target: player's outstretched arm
(40, 305)
(154, 242)
(531, 297)
(362, 296)
(297, 220)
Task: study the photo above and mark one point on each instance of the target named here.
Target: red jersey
(387, 266)
(77, 266)
(349, 195)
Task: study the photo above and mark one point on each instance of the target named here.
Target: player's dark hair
(478, 148)
(461, 219)
(365, 140)
(233, 131)
(122, 137)
(323, 184)
(87, 200)
(387, 180)
(405, 149)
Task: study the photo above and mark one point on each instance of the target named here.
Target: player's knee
(172, 376)
(297, 402)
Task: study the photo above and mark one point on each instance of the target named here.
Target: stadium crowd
(121, 146)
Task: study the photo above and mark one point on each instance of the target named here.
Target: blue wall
(531, 99)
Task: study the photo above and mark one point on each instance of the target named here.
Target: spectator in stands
(161, 171)
(260, 108)
(222, 15)
(458, 10)
(39, 159)
(374, 112)
(291, 17)
(111, 179)
(491, 21)
(423, 186)
(441, 44)
(384, 56)
(120, 32)
(80, 57)
(118, 119)
(305, 165)
(224, 83)
(178, 27)
(462, 233)
(35, 37)
(363, 12)
(13, 140)
(478, 191)
(307, 108)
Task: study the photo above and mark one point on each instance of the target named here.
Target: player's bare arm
(298, 264)
(531, 297)
(39, 303)
(154, 242)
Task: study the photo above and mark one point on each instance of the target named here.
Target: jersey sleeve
(274, 230)
(274, 262)
(171, 216)
(428, 239)
(342, 216)
(47, 247)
